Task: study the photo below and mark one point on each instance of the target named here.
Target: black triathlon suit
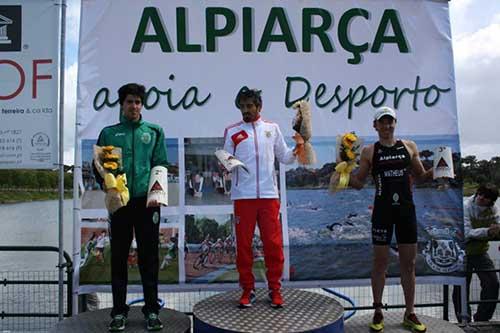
(393, 197)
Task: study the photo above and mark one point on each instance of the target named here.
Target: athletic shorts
(387, 218)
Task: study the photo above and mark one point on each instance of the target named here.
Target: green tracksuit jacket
(143, 147)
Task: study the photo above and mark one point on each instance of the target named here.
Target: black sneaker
(118, 323)
(153, 322)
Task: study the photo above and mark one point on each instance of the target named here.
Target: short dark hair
(489, 191)
(246, 93)
(131, 89)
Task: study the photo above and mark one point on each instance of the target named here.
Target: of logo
(442, 252)
(40, 140)
(268, 134)
(146, 138)
(10, 28)
(156, 217)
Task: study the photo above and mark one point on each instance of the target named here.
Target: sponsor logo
(10, 28)
(146, 138)
(156, 217)
(392, 157)
(442, 252)
(40, 140)
(379, 235)
(156, 187)
(395, 199)
(119, 134)
(442, 163)
(394, 173)
(268, 134)
(238, 137)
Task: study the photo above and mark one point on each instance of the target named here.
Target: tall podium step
(98, 321)
(393, 324)
(303, 312)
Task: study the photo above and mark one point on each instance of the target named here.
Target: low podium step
(98, 321)
(304, 311)
(393, 324)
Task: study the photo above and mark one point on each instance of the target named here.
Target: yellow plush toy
(107, 161)
(348, 149)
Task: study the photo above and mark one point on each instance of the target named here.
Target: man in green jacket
(481, 224)
(143, 147)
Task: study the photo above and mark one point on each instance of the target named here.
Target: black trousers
(146, 224)
(489, 287)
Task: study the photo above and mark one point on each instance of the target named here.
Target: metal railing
(444, 304)
(441, 303)
(68, 282)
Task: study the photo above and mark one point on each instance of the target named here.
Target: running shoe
(377, 324)
(118, 323)
(411, 321)
(153, 323)
(276, 298)
(247, 298)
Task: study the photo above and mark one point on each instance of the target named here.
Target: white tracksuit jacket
(256, 144)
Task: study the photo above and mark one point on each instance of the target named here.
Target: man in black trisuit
(391, 161)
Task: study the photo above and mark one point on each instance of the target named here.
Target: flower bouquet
(108, 163)
(348, 146)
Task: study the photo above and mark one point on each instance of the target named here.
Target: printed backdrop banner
(29, 83)
(347, 57)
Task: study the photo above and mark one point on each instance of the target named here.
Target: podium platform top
(98, 321)
(303, 311)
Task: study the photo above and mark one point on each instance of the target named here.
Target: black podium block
(98, 321)
(303, 312)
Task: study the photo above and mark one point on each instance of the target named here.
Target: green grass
(15, 196)
(94, 272)
(259, 271)
(469, 189)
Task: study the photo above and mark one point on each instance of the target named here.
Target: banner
(29, 84)
(348, 58)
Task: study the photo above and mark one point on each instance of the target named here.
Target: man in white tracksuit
(257, 142)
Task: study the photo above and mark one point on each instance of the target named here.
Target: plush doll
(303, 128)
(107, 162)
(348, 147)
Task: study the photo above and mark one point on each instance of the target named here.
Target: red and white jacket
(256, 144)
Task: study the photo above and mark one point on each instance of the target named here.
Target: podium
(303, 312)
(393, 324)
(98, 321)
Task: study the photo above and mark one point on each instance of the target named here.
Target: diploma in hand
(443, 163)
(229, 161)
(158, 186)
